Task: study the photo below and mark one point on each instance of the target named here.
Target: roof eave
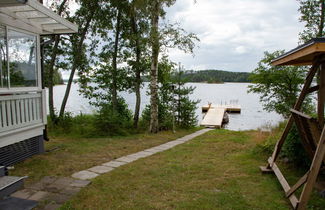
(42, 29)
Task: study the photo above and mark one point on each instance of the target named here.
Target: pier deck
(215, 114)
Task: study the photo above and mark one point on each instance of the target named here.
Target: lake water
(252, 115)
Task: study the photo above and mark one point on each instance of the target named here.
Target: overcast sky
(235, 33)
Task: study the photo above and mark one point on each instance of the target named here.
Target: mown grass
(218, 170)
(67, 154)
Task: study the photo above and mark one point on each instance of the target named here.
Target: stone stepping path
(95, 171)
(52, 191)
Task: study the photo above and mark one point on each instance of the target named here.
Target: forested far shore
(212, 76)
(215, 76)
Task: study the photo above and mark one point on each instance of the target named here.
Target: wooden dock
(215, 114)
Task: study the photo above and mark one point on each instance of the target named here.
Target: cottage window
(22, 59)
(3, 58)
(18, 63)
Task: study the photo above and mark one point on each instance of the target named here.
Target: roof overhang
(33, 16)
(302, 55)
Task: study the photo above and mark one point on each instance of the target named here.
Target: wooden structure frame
(23, 114)
(312, 131)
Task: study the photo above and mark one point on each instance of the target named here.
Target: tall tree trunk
(137, 69)
(75, 65)
(153, 128)
(51, 66)
(114, 62)
(322, 16)
(51, 76)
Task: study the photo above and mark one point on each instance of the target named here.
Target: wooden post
(297, 106)
(313, 172)
(321, 95)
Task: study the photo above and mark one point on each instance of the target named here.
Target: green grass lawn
(67, 154)
(218, 170)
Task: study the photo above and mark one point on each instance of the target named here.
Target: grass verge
(67, 154)
(218, 170)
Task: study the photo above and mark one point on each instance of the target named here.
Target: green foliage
(312, 15)
(294, 150)
(174, 104)
(77, 126)
(57, 77)
(111, 122)
(184, 106)
(215, 76)
(106, 122)
(278, 86)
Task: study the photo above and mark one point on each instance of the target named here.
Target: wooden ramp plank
(213, 117)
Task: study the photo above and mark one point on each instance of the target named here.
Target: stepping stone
(165, 147)
(84, 175)
(44, 182)
(58, 198)
(71, 190)
(157, 148)
(80, 183)
(23, 194)
(173, 143)
(59, 184)
(126, 159)
(38, 196)
(141, 154)
(100, 169)
(114, 164)
(152, 150)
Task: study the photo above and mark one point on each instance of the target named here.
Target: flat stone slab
(80, 183)
(59, 184)
(114, 163)
(58, 198)
(126, 159)
(152, 150)
(143, 154)
(71, 190)
(84, 175)
(39, 195)
(23, 194)
(157, 148)
(44, 182)
(100, 169)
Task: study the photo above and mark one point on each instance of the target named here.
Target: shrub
(292, 148)
(109, 122)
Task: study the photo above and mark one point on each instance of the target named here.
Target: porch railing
(20, 110)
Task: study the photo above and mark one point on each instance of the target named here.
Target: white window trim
(38, 87)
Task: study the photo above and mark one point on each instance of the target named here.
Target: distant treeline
(215, 76)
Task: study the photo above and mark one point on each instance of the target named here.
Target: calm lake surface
(252, 116)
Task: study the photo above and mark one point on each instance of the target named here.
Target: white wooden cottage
(22, 98)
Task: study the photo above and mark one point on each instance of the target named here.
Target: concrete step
(10, 184)
(2, 171)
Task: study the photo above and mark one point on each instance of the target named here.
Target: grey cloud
(235, 33)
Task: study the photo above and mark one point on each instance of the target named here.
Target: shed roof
(303, 54)
(33, 16)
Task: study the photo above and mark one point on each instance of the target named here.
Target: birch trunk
(137, 69)
(153, 128)
(114, 62)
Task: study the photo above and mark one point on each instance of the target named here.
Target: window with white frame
(3, 58)
(18, 59)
